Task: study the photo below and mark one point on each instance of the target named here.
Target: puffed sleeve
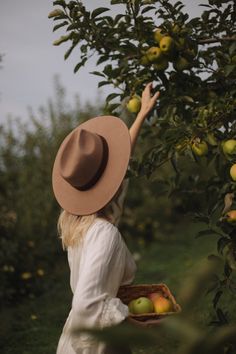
(101, 273)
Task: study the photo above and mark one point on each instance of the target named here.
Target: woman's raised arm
(148, 102)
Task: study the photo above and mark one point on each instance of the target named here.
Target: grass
(34, 326)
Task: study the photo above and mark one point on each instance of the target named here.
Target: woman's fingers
(155, 97)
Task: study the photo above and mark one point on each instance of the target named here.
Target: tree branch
(215, 40)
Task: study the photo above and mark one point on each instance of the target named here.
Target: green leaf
(222, 243)
(228, 69)
(232, 48)
(112, 96)
(60, 25)
(59, 2)
(79, 65)
(102, 59)
(99, 11)
(97, 73)
(148, 8)
(103, 83)
(69, 51)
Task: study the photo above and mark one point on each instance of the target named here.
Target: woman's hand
(148, 101)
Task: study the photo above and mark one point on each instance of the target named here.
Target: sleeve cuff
(114, 312)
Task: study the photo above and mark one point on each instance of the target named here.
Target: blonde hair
(71, 228)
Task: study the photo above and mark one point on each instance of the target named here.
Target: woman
(88, 183)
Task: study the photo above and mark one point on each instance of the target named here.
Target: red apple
(153, 296)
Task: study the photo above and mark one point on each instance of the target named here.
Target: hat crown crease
(82, 159)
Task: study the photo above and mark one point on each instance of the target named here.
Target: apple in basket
(160, 303)
(141, 305)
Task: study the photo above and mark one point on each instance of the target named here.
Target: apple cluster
(177, 49)
(200, 148)
(152, 303)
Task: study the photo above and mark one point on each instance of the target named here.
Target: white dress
(98, 268)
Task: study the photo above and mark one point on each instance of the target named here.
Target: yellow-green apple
(154, 54)
(162, 304)
(229, 146)
(200, 148)
(144, 60)
(180, 43)
(131, 306)
(158, 35)
(134, 104)
(181, 64)
(142, 305)
(231, 216)
(233, 172)
(211, 139)
(175, 28)
(167, 44)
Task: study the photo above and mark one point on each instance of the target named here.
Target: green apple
(158, 35)
(233, 172)
(144, 60)
(175, 28)
(167, 44)
(229, 146)
(142, 305)
(200, 148)
(131, 306)
(134, 104)
(181, 64)
(154, 54)
(211, 139)
(180, 43)
(162, 65)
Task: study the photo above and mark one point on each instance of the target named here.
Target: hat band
(101, 168)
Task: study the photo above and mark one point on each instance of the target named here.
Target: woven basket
(129, 292)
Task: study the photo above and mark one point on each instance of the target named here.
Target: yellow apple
(233, 172)
(158, 35)
(167, 44)
(229, 146)
(200, 148)
(162, 304)
(154, 54)
(134, 104)
(181, 64)
(231, 216)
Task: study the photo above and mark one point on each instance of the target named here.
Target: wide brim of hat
(78, 202)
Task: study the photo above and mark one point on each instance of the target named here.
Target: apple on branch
(134, 104)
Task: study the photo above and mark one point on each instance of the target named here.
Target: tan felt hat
(91, 164)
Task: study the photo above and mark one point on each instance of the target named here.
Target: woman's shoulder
(102, 223)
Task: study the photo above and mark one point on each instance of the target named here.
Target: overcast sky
(31, 61)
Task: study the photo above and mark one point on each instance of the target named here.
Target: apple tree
(192, 61)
